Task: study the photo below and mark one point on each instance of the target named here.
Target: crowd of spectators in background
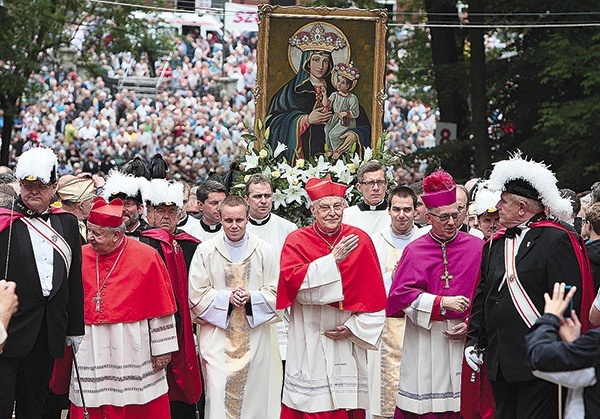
(193, 122)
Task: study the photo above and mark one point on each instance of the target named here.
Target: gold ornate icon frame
(365, 32)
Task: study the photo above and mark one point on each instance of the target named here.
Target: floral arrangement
(290, 200)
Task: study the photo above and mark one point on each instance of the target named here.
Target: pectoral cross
(446, 277)
(97, 300)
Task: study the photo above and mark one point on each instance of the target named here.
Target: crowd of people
(393, 306)
(192, 121)
(426, 300)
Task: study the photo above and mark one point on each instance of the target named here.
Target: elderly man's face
(166, 217)
(510, 210)
(328, 212)
(444, 221)
(37, 195)
(102, 239)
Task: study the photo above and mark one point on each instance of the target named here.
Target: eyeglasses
(445, 217)
(36, 186)
(372, 183)
(337, 207)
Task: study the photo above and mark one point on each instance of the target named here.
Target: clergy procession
(429, 300)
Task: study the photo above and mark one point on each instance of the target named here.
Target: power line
(430, 24)
(546, 13)
(501, 26)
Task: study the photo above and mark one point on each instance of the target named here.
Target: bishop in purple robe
(432, 287)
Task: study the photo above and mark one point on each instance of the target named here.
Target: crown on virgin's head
(347, 70)
(317, 40)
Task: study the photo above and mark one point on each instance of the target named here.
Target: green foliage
(121, 30)
(455, 157)
(29, 29)
(410, 67)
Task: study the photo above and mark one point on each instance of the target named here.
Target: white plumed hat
(163, 192)
(120, 185)
(486, 200)
(530, 179)
(37, 164)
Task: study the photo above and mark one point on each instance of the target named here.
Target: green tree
(549, 90)
(121, 29)
(31, 30)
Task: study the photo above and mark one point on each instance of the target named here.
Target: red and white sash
(51, 236)
(519, 296)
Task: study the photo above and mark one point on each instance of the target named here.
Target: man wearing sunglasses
(43, 253)
(432, 287)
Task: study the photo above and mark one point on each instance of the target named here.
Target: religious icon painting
(320, 82)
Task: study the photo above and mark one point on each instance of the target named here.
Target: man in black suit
(521, 264)
(61, 123)
(43, 253)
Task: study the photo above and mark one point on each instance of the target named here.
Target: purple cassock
(421, 269)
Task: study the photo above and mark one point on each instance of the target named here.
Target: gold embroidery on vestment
(237, 343)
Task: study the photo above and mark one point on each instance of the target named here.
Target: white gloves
(74, 341)
(473, 357)
(597, 300)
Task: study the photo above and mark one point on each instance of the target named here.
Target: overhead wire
(429, 24)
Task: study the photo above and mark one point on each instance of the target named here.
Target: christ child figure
(344, 106)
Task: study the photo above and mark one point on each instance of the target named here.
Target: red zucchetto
(105, 214)
(319, 188)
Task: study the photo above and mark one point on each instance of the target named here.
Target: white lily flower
(251, 161)
(312, 171)
(390, 173)
(279, 149)
(350, 191)
(292, 172)
(295, 193)
(266, 171)
(339, 168)
(283, 167)
(315, 171)
(356, 161)
(368, 154)
(322, 165)
(279, 199)
(345, 177)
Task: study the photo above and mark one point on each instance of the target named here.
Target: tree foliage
(549, 90)
(34, 30)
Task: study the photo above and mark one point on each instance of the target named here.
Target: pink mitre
(319, 188)
(439, 189)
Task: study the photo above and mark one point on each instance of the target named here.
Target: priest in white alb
(274, 230)
(371, 213)
(233, 285)
(384, 364)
